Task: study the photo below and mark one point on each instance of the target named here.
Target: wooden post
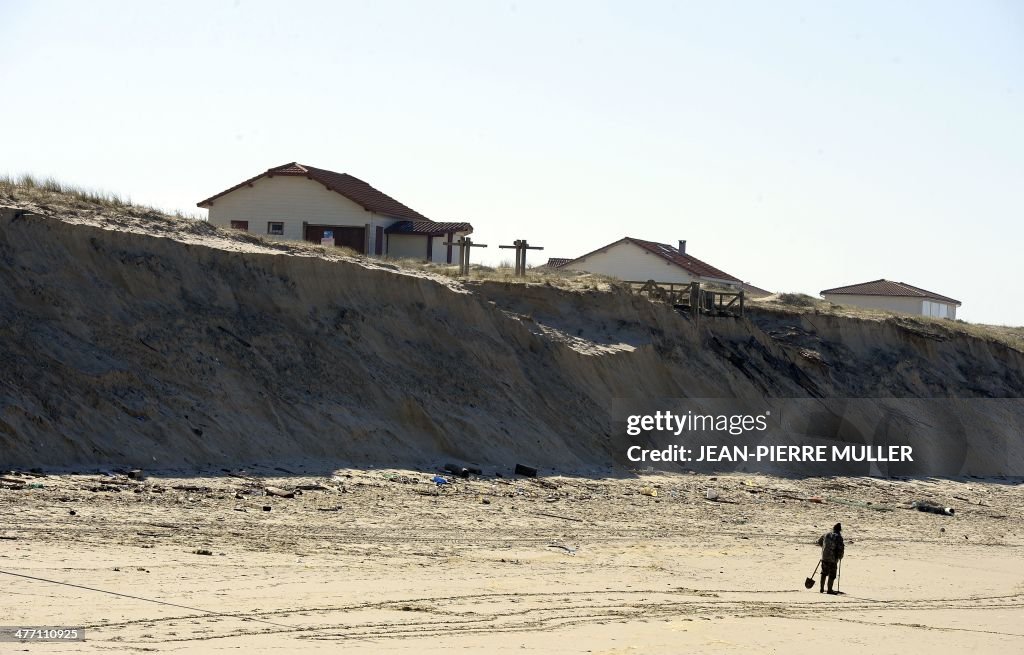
(695, 302)
(464, 244)
(521, 247)
(516, 246)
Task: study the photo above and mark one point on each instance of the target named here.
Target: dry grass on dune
(53, 196)
(49, 195)
(799, 303)
(562, 279)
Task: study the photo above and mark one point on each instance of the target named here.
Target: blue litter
(440, 480)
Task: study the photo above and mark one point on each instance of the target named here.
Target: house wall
(371, 231)
(406, 246)
(628, 261)
(439, 253)
(293, 201)
(414, 246)
(895, 304)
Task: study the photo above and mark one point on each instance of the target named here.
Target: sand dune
(163, 343)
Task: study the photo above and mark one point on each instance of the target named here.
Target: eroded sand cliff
(167, 343)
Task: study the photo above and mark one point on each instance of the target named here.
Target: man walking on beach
(832, 549)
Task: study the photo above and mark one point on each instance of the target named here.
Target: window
(938, 309)
(276, 228)
(240, 225)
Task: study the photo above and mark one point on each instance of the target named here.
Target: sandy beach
(385, 561)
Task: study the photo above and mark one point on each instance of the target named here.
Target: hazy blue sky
(798, 145)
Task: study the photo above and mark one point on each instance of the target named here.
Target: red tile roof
(682, 260)
(888, 288)
(427, 227)
(671, 254)
(351, 187)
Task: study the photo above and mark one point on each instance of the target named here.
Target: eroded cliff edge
(183, 346)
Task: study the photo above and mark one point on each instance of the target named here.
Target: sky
(796, 145)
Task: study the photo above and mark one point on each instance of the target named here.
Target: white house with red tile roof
(639, 260)
(300, 202)
(894, 297)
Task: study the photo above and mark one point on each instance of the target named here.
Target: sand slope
(162, 343)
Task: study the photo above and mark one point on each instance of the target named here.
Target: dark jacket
(832, 547)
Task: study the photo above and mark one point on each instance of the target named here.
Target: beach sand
(372, 562)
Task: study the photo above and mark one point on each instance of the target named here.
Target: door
(349, 237)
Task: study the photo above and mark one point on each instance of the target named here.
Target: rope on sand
(149, 600)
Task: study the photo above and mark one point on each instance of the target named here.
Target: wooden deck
(686, 297)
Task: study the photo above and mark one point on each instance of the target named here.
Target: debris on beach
(932, 508)
(525, 471)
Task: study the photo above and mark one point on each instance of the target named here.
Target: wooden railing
(690, 295)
